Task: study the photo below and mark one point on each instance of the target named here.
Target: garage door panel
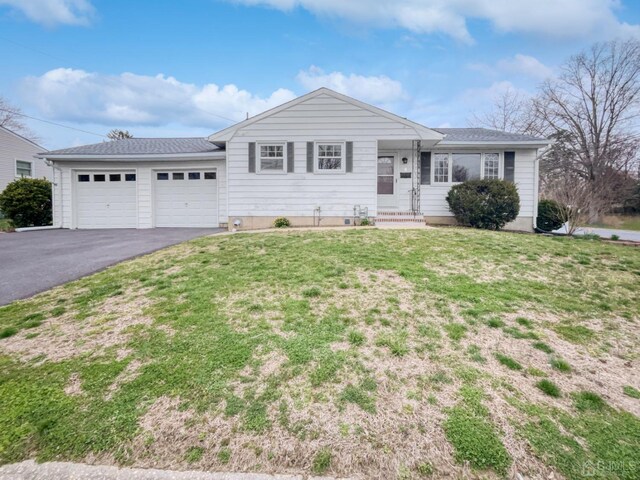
(106, 204)
(184, 200)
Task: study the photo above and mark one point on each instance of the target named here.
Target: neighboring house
(17, 159)
(323, 155)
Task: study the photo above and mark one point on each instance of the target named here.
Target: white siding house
(17, 159)
(321, 159)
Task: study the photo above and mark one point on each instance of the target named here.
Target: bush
(27, 202)
(365, 222)
(550, 215)
(281, 222)
(550, 388)
(488, 204)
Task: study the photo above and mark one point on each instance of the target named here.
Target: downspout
(51, 164)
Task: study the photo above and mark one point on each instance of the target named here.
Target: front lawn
(366, 353)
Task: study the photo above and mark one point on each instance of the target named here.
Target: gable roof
(462, 136)
(423, 133)
(24, 139)
(140, 146)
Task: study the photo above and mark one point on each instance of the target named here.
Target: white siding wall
(13, 148)
(144, 181)
(297, 194)
(433, 197)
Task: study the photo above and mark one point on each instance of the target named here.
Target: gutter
(151, 157)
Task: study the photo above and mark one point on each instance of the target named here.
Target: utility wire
(51, 123)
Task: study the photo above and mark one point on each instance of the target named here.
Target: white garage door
(106, 199)
(186, 198)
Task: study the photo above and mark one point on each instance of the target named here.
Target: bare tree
(590, 107)
(511, 112)
(11, 118)
(117, 134)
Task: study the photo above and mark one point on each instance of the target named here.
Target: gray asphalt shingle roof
(483, 135)
(142, 146)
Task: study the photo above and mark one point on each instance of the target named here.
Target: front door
(387, 181)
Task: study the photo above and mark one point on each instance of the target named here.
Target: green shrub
(27, 202)
(615, 237)
(543, 346)
(281, 222)
(365, 222)
(488, 204)
(548, 387)
(550, 215)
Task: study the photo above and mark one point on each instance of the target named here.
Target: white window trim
(450, 164)
(259, 158)
(343, 158)
(30, 162)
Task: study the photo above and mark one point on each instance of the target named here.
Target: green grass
(259, 332)
(321, 461)
(589, 401)
(621, 222)
(630, 391)
(560, 365)
(473, 436)
(508, 362)
(550, 388)
(542, 346)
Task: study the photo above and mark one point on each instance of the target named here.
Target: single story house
(17, 159)
(321, 159)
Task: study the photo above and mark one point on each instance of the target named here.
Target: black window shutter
(509, 166)
(252, 157)
(310, 157)
(349, 157)
(425, 168)
(290, 157)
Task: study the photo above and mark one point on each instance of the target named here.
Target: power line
(27, 47)
(51, 123)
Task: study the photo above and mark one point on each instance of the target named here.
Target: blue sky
(188, 68)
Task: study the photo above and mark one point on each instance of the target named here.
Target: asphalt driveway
(32, 262)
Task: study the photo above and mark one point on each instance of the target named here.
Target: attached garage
(106, 199)
(185, 198)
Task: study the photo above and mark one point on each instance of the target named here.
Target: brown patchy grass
(256, 352)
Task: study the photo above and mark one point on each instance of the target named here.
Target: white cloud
(54, 12)
(555, 18)
(130, 99)
(519, 64)
(374, 89)
(525, 65)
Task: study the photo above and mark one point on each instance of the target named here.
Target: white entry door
(186, 198)
(387, 181)
(106, 199)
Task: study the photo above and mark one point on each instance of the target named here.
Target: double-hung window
(23, 168)
(271, 158)
(330, 157)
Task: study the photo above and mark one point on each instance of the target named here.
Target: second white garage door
(186, 198)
